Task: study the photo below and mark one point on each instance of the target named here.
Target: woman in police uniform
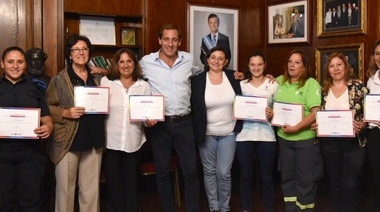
(21, 160)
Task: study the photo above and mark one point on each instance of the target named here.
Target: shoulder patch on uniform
(40, 84)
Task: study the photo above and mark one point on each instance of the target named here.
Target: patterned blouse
(356, 92)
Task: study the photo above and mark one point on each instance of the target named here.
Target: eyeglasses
(77, 50)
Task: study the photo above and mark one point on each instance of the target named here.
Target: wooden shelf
(72, 19)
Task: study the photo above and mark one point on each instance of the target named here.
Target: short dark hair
(212, 15)
(72, 40)
(13, 48)
(248, 74)
(114, 72)
(167, 27)
(214, 49)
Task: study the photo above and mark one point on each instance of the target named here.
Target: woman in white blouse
(344, 157)
(257, 137)
(124, 138)
(373, 131)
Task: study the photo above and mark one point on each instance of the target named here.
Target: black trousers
(22, 170)
(122, 172)
(373, 150)
(344, 160)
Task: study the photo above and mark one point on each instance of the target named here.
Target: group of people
(342, 15)
(198, 119)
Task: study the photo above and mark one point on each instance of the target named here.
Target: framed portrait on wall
(128, 36)
(335, 17)
(201, 31)
(288, 23)
(354, 54)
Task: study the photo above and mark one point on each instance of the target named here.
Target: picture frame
(353, 21)
(128, 36)
(100, 30)
(198, 28)
(353, 52)
(288, 23)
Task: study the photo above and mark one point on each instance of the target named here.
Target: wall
(277, 54)
(252, 29)
(21, 24)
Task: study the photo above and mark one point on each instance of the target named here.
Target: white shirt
(219, 101)
(121, 134)
(337, 103)
(253, 130)
(373, 85)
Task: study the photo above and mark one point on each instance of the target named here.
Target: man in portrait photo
(296, 29)
(215, 38)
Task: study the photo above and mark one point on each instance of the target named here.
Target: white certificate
(19, 123)
(372, 108)
(287, 114)
(100, 30)
(250, 108)
(95, 100)
(335, 123)
(142, 107)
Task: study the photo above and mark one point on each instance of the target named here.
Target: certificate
(19, 123)
(100, 30)
(335, 123)
(372, 108)
(250, 108)
(287, 114)
(142, 107)
(95, 100)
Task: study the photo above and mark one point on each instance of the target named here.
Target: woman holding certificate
(124, 138)
(25, 119)
(257, 136)
(373, 131)
(78, 140)
(212, 98)
(300, 161)
(344, 156)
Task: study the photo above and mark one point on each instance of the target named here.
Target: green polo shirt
(309, 95)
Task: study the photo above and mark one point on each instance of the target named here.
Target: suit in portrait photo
(210, 27)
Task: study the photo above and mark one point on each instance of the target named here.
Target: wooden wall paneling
(276, 53)
(17, 25)
(52, 35)
(126, 13)
(37, 23)
(159, 13)
(25, 27)
(250, 37)
(9, 26)
(251, 30)
(107, 7)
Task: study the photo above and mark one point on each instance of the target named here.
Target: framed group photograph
(354, 54)
(288, 23)
(204, 21)
(336, 17)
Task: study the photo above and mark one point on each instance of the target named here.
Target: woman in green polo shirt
(300, 161)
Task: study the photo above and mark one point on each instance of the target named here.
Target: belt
(177, 118)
